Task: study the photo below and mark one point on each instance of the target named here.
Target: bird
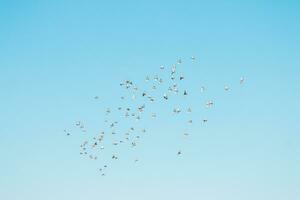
(242, 80)
(209, 104)
(67, 133)
(202, 89)
(176, 110)
(125, 128)
(226, 88)
(165, 96)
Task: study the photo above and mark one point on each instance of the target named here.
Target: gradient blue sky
(56, 55)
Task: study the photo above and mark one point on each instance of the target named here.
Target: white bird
(209, 104)
(226, 88)
(176, 110)
(133, 144)
(173, 71)
(202, 89)
(242, 80)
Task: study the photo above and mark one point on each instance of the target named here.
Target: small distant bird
(226, 88)
(209, 104)
(202, 89)
(242, 80)
(176, 110)
(133, 144)
(165, 96)
(173, 71)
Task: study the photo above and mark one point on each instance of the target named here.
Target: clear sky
(56, 55)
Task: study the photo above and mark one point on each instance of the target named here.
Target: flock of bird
(157, 89)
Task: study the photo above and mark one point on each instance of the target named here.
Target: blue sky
(55, 56)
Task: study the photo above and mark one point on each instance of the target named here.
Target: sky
(55, 56)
